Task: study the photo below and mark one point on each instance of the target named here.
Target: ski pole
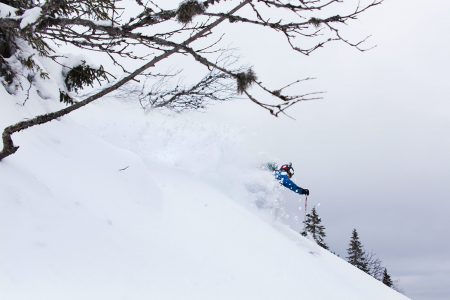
(306, 204)
(304, 217)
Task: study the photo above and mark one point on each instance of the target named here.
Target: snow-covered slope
(109, 203)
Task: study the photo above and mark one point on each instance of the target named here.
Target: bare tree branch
(153, 35)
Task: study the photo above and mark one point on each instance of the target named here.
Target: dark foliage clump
(79, 77)
(65, 98)
(387, 278)
(5, 52)
(188, 10)
(6, 74)
(5, 45)
(20, 4)
(315, 21)
(83, 75)
(245, 80)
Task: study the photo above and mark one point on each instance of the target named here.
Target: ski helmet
(288, 169)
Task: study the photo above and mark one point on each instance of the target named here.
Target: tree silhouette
(314, 227)
(356, 254)
(387, 278)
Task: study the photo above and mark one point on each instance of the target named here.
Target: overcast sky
(375, 151)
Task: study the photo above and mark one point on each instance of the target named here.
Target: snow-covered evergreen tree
(356, 254)
(387, 278)
(314, 227)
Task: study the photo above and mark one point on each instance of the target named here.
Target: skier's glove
(306, 192)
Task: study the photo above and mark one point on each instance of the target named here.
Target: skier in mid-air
(284, 174)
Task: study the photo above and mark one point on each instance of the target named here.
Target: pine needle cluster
(79, 77)
(188, 10)
(245, 80)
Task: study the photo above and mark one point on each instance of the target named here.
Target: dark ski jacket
(284, 179)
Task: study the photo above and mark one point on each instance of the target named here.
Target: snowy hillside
(109, 203)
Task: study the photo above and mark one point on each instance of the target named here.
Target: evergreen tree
(387, 278)
(313, 226)
(356, 254)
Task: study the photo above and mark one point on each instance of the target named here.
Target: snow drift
(109, 203)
